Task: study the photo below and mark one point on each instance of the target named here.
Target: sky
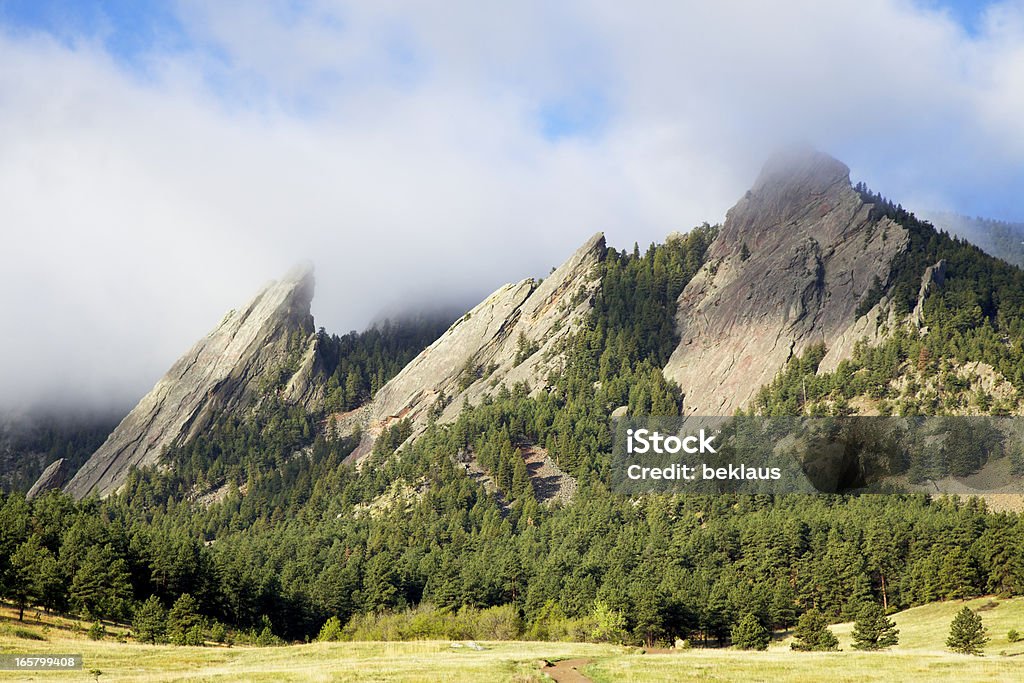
(159, 162)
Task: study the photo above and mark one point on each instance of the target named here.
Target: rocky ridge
(512, 336)
(54, 476)
(788, 269)
(224, 371)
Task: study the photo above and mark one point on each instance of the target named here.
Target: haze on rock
(222, 372)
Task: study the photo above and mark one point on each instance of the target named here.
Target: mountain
(804, 261)
(515, 335)
(396, 482)
(788, 270)
(226, 370)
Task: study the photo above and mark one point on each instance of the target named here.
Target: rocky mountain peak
(221, 372)
(512, 336)
(794, 185)
(788, 269)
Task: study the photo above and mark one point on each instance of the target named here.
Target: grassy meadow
(920, 656)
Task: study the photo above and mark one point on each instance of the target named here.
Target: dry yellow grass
(919, 657)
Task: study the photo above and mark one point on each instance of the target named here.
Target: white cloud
(401, 149)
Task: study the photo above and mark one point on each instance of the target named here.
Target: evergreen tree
(23, 584)
(966, 633)
(182, 618)
(782, 607)
(101, 587)
(150, 623)
(873, 630)
(53, 594)
(749, 634)
(812, 633)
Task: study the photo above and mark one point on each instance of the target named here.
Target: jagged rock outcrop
(223, 371)
(53, 477)
(513, 336)
(934, 276)
(788, 269)
(870, 329)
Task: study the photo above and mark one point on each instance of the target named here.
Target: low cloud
(421, 155)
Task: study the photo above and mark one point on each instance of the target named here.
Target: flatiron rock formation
(788, 269)
(223, 371)
(513, 336)
(53, 477)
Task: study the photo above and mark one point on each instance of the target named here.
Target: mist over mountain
(285, 482)
(804, 261)
(179, 156)
(1003, 239)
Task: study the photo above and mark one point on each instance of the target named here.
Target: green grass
(920, 656)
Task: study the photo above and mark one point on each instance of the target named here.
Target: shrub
(97, 631)
(194, 636)
(331, 630)
(218, 632)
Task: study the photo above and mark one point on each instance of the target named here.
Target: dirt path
(567, 671)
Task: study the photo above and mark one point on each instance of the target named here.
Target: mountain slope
(224, 371)
(515, 335)
(788, 270)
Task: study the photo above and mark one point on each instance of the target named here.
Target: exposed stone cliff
(788, 269)
(512, 336)
(53, 477)
(223, 371)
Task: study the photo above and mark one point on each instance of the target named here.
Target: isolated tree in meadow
(813, 634)
(150, 623)
(873, 630)
(749, 634)
(966, 633)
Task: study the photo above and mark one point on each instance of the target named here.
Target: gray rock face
(934, 276)
(223, 371)
(791, 263)
(53, 477)
(512, 336)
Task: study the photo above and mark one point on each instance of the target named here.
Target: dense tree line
(28, 444)
(360, 363)
(669, 567)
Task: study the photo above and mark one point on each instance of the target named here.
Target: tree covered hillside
(271, 533)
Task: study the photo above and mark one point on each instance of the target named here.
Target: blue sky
(127, 29)
(174, 156)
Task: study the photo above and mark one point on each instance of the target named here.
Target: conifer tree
(966, 633)
(749, 634)
(813, 634)
(182, 619)
(150, 623)
(330, 631)
(873, 630)
(23, 576)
